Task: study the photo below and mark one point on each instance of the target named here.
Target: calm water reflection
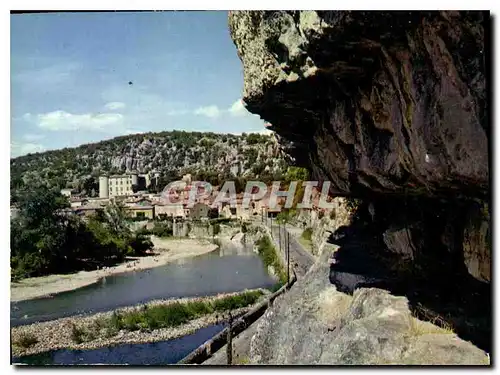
(227, 270)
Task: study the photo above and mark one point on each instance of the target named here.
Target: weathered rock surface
(385, 101)
(378, 103)
(392, 109)
(476, 243)
(315, 324)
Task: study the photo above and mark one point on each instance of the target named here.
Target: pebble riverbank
(57, 334)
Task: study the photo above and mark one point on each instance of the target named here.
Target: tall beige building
(116, 185)
(120, 185)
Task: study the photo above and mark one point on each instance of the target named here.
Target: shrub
(270, 257)
(139, 244)
(237, 301)
(332, 215)
(83, 334)
(132, 322)
(307, 234)
(161, 316)
(115, 321)
(77, 334)
(199, 308)
(26, 340)
(353, 203)
(162, 230)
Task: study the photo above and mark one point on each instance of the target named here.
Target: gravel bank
(167, 250)
(56, 334)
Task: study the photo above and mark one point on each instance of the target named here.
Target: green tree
(115, 216)
(38, 235)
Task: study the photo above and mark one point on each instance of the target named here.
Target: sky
(70, 75)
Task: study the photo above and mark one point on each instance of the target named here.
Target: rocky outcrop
(313, 324)
(377, 103)
(391, 108)
(373, 101)
(476, 242)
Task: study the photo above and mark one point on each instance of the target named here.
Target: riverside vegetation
(271, 258)
(161, 316)
(45, 240)
(154, 321)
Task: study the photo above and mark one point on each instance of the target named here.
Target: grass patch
(270, 257)
(306, 239)
(237, 301)
(83, 334)
(26, 340)
(161, 316)
(244, 360)
(418, 327)
(307, 234)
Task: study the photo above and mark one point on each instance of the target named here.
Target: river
(157, 353)
(229, 269)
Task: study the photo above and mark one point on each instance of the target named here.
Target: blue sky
(70, 76)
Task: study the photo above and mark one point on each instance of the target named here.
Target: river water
(158, 353)
(229, 269)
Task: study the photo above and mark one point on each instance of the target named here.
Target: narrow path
(303, 260)
(299, 257)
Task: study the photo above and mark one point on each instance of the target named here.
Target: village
(181, 205)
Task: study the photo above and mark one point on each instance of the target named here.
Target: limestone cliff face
(373, 101)
(391, 107)
(378, 103)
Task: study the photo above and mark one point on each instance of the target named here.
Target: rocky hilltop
(170, 154)
(392, 108)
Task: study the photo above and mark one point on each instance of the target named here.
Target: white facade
(120, 186)
(66, 192)
(103, 187)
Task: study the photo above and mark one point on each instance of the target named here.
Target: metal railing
(235, 327)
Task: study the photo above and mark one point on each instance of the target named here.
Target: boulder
(314, 324)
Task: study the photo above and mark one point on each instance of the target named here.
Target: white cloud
(62, 120)
(238, 108)
(209, 111)
(133, 131)
(54, 74)
(112, 106)
(177, 112)
(18, 149)
(33, 137)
